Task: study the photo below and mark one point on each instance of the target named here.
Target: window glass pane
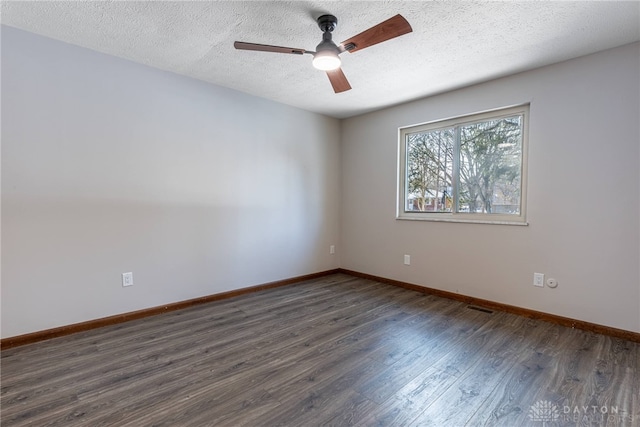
(490, 166)
(429, 169)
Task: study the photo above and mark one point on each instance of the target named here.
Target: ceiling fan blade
(338, 80)
(389, 29)
(268, 48)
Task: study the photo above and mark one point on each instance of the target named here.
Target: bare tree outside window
(430, 171)
(490, 158)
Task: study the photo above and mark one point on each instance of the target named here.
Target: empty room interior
(231, 213)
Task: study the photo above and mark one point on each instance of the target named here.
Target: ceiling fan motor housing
(327, 44)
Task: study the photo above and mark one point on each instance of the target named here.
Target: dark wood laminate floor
(332, 351)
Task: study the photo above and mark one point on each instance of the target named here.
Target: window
(467, 169)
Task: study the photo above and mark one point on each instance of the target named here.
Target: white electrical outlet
(538, 279)
(332, 249)
(407, 260)
(127, 279)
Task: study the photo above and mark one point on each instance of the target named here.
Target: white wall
(583, 196)
(110, 166)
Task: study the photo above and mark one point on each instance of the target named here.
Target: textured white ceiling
(453, 44)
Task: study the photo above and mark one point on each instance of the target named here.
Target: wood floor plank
(468, 392)
(508, 403)
(592, 371)
(451, 359)
(444, 336)
(336, 350)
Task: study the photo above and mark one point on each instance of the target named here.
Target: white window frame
(483, 218)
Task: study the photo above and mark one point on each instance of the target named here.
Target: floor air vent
(484, 310)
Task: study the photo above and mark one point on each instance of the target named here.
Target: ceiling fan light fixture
(326, 60)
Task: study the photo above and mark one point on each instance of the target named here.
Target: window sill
(463, 220)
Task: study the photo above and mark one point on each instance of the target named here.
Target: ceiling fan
(326, 54)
